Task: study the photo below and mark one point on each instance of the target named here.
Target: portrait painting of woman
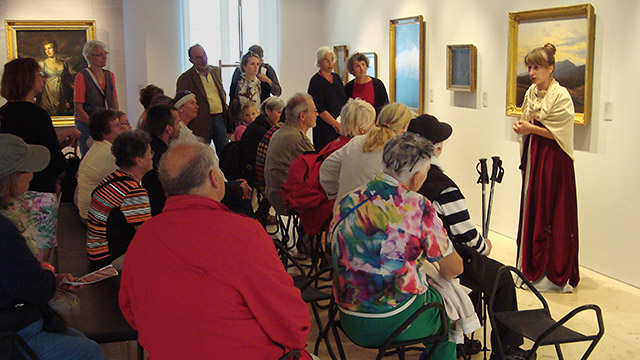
(57, 94)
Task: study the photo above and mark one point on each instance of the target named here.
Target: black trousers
(479, 275)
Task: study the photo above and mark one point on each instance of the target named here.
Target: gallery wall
(109, 27)
(606, 160)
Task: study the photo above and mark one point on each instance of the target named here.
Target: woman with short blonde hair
(361, 159)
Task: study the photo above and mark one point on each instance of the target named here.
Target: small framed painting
(342, 54)
(372, 69)
(461, 67)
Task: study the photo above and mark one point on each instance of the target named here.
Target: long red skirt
(548, 229)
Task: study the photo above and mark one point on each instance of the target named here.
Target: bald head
(187, 168)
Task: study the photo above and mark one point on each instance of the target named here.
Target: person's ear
(216, 179)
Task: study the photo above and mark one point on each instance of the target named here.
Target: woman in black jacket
(365, 87)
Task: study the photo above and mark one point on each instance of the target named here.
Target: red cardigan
(201, 282)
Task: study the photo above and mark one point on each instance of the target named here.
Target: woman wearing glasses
(94, 88)
(22, 81)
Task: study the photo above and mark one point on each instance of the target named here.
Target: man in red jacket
(201, 282)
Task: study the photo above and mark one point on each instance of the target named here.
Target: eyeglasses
(101, 54)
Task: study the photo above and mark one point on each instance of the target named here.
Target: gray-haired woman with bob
(94, 88)
(381, 232)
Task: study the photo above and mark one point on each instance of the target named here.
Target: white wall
(607, 166)
(154, 46)
(109, 29)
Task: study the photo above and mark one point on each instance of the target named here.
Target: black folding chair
(538, 325)
(391, 346)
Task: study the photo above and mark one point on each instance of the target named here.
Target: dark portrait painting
(57, 46)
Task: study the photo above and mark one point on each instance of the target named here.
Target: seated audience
(270, 113)
(249, 113)
(238, 192)
(479, 270)
(381, 233)
(201, 282)
(99, 162)
(123, 119)
(25, 284)
(147, 93)
(163, 124)
(360, 160)
(119, 205)
(286, 144)
(365, 87)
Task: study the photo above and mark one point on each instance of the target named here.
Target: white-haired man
(206, 278)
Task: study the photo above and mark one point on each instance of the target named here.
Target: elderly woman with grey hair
(381, 233)
(328, 95)
(94, 88)
(365, 87)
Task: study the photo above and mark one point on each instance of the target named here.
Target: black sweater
(23, 283)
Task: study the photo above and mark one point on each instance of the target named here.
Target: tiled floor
(620, 305)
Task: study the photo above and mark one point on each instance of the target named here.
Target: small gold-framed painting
(57, 46)
(572, 30)
(342, 54)
(406, 58)
(461, 67)
(372, 69)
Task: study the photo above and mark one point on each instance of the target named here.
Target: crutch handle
(497, 170)
(481, 168)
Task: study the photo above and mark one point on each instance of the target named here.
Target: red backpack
(302, 191)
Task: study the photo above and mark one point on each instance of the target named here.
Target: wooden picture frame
(63, 39)
(461, 67)
(342, 54)
(573, 25)
(406, 60)
(372, 69)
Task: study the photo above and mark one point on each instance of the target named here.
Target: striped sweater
(452, 209)
(117, 204)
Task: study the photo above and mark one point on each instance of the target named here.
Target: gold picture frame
(372, 70)
(26, 38)
(461, 67)
(574, 65)
(406, 60)
(342, 54)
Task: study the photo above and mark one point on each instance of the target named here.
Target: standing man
(205, 82)
(287, 144)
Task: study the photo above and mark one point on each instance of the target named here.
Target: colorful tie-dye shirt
(379, 233)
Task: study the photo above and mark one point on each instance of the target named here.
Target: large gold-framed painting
(406, 57)
(57, 46)
(572, 30)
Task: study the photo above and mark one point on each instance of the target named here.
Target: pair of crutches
(496, 177)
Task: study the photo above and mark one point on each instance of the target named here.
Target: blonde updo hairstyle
(542, 56)
(356, 117)
(392, 121)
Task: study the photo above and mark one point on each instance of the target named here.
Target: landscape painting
(372, 69)
(571, 29)
(407, 62)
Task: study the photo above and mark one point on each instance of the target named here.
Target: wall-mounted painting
(406, 52)
(372, 69)
(461, 67)
(57, 46)
(572, 30)
(342, 54)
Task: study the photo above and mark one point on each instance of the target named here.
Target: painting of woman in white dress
(57, 94)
